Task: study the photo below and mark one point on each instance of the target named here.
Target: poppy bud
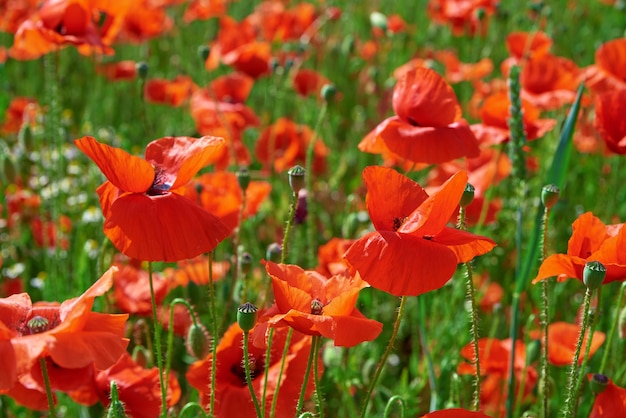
(328, 92)
(288, 64)
(245, 263)
(598, 383)
(197, 341)
(38, 324)
(116, 408)
(25, 137)
(246, 316)
(243, 177)
(9, 170)
(273, 252)
(296, 178)
(594, 274)
(142, 69)
(481, 13)
(533, 349)
(378, 20)
(622, 323)
(550, 195)
(468, 195)
(301, 208)
(203, 52)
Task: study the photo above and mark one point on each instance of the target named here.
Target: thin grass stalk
(383, 359)
(157, 343)
(246, 366)
(307, 373)
(609, 340)
(395, 400)
(214, 332)
(568, 407)
(432, 380)
(46, 382)
(280, 373)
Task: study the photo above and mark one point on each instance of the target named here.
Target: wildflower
(316, 305)
(196, 271)
(118, 71)
(611, 403)
(427, 127)
(608, 74)
(173, 93)
(609, 121)
(410, 233)
(145, 216)
(591, 240)
(563, 337)
(131, 288)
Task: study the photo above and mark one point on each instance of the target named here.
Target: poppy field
(221, 208)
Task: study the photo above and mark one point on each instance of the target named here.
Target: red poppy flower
(457, 71)
(118, 71)
(195, 270)
(276, 23)
(284, 145)
(315, 305)
(611, 403)
(221, 105)
(173, 93)
(309, 82)
(138, 388)
(232, 396)
(69, 334)
(205, 9)
(455, 413)
(609, 71)
(21, 110)
(51, 234)
(462, 15)
(610, 121)
(145, 20)
(524, 44)
(591, 240)
(131, 288)
(410, 233)
(428, 127)
(330, 256)
(145, 216)
(12, 17)
(563, 337)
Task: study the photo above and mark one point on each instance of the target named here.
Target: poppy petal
(390, 197)
(588, 233)
(79, 349)
(455, 413)
(401, 264)
(162, 228)
(561, 266)
(182, 157)
(464, 244)
(125, 171)
(289, 298)
(352, 330)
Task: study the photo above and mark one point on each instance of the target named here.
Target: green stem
(214, 332)
(192, 405)
(289, 224)
(319, 396)
(568, 407)
(306, 380)
(157, 343)
(246, 366)
(266, 372)
(544, 375)
(395, 400)
(170, 332)
(46, 381)
(311, 256)
(609, 341)
(383, 359)
(280, 373)
(421, 330)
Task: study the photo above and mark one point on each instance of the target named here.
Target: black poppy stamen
(397, 223)
(428, 237)
(159, 185)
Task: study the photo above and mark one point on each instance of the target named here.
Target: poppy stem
(282, 367)
(308, 166)
(157, 343)
(246, 366)
(607, 350)
(544, 317)
(285, 245)
(319, 396)
(592, 327)
(421, 330)
(383, 359)
(46, 381)
(266, 372)
(192, 405)
(306, 376)
(214, 332)
(568, 407)
(395, 400)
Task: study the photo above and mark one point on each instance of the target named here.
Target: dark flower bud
(594, 274)
(38, 324)
(598, 383)
(197, 341)
(245, 263)
(299, 217)
(203, 52)
(328, 92)
(550, 195)
(246, 316)
(468, 195)
(296, 178)
(273, 252)
(142, 69)
(243, 177)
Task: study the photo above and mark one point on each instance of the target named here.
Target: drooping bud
(246, 316)
(197, 341)
(550, 195)
(37, 324)
(296, 178)
(598, 383)
(594, 274)
(468, 195)
(243, 177)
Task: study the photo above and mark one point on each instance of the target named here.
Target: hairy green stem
(544, 318)
(319, 396)
(246, 366)
(46, 382)
(306, 379)
(157, 343)
(432, 380)
(280, 373)
(383, 359)
(288, 226)
(609, 340)
(395, 400)
(214, 332)
(170, 332)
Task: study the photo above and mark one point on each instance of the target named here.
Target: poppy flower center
(159, 186)
(239, 372)
(38, 324)
(397, 223)
(316, 307)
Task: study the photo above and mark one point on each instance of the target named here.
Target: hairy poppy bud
(197, 341)
(328, 92)
(246, 316)
(594, 274)
(468, 195)
(550, 195)
(296, 178)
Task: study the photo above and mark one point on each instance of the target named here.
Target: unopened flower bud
(378, 20)
(296, 178)
(142, 69)
(468, 195)
(246, 316)
(203, 52)
(116, 408)
(243, 177)
(598, 383)
(245, 263)
(594, 274)
(273, 252)
(550, 195)
(328, 92)
(197, 341)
